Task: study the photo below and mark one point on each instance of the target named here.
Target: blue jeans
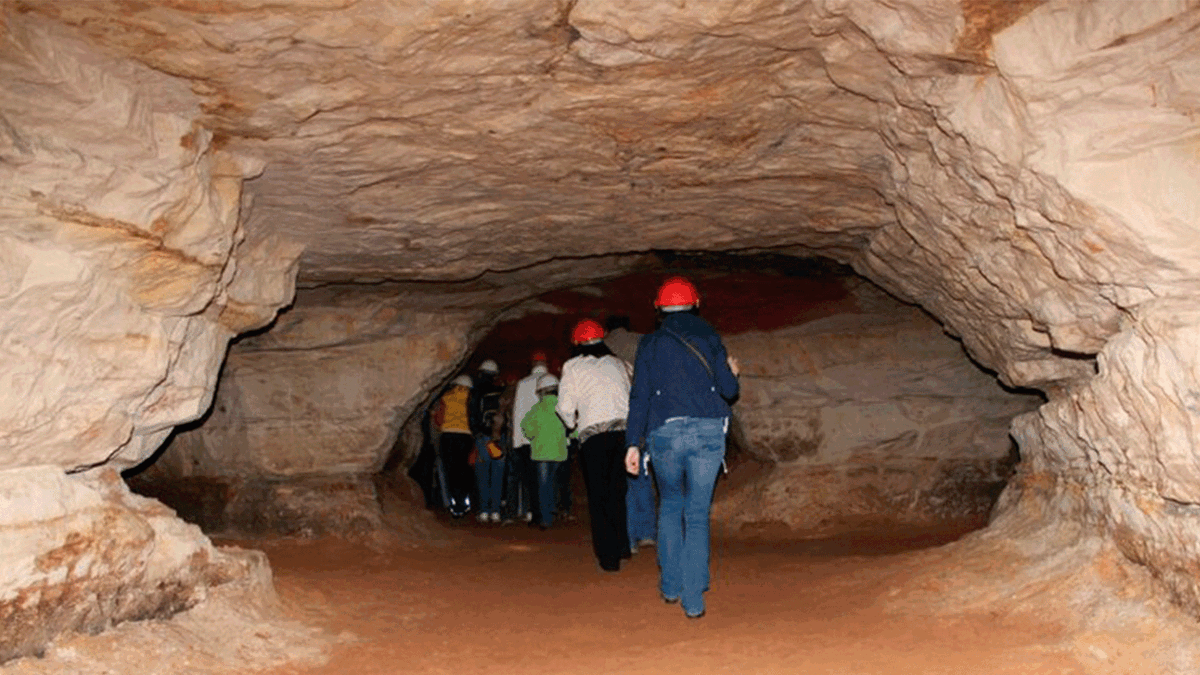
(639, 507)
(521, 490)
(547, 482)
(489, 477)
(686, 453)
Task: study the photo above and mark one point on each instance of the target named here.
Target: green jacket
(545, 431)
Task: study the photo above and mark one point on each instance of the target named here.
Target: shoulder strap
(693, 350)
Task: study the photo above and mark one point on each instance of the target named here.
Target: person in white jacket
(593, 397)
(522, 481)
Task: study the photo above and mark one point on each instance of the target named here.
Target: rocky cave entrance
(407, 176)
(858, 411)
(863, 430)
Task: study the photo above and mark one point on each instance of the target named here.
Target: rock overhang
(415, 142)
(485, 143)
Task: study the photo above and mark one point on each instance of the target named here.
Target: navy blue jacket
(669, 381)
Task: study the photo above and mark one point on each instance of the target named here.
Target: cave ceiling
(441, 141)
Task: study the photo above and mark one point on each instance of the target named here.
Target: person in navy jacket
(683, 384)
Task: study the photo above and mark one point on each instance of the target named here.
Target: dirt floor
(510, 599)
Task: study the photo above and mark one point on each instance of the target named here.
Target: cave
(246, 243)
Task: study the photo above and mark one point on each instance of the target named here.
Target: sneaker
(495, 517)
(528, 516)
(645, 542)
(696, 616)
(481, 517)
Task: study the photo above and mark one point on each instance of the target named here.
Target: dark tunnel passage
(740, 293)
(863, 432)
(857, 411)
(865, 413)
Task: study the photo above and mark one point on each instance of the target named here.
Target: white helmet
(489, 366)
(547, 381)
(464, 381)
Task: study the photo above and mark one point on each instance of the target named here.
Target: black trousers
(460, 477)
(603, 460)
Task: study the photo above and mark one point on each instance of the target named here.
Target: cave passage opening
(858, 412)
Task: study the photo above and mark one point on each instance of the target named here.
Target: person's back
(487, 422)
(485, 398)
(672, 380)
(594, 398)
(679, 413)
(548, 437)
(451, 416)
(620, 339)
(548, 447)
(524, 399)
(455, 443)
(594, 390)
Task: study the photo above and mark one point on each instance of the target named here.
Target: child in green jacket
(548, 441)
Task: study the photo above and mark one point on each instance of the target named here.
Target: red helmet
(587, 332)
(539, 355)
(677, 292)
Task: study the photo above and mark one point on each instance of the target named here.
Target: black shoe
(611, 566)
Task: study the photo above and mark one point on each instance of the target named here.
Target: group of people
(638, 411)
(486, 458)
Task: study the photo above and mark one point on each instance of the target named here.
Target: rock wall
(1043, 215)
(307, 411)
(123, 275)
(1120, 453)
(1024, 171)
(82, 553)
(864, 418)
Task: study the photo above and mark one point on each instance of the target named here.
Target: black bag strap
(692, 348)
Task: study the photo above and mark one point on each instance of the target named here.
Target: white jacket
(593, 390)
(523, 401)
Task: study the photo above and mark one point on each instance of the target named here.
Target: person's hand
(633, 457)
(734, 366)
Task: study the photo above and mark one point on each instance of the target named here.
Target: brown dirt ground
(510, 599)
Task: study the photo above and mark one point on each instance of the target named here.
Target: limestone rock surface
(1024, 171)
(82, 553)
(868, 417)
(306, 412)
(124, 272)
(120, 240)
(324, 392)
